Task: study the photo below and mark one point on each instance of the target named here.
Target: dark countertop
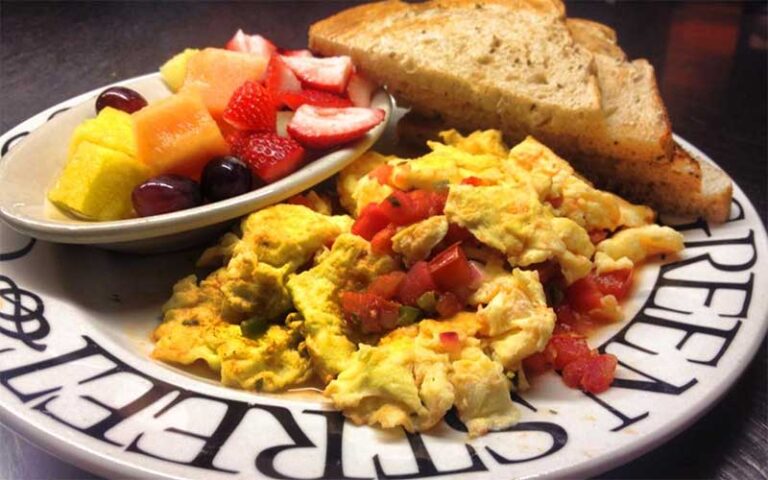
(710, 60)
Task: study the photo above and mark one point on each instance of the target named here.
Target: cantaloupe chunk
(112, 128)
(97, 182)
(177, 135)
(217, 73)
(174, 70)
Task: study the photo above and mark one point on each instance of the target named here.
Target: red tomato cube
(370, 221)
(568, 349)
(583, 295)
(616, 283)
(450, 269)
(417, 282)
(381, 243)
(387, 285)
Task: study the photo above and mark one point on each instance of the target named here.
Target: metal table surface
(710, 60)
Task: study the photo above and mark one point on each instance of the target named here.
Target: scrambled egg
(525, 206)
(415, 242)
(349, 265)
(530, 204)
(201, 322)
(411, 378)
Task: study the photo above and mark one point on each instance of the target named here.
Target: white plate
(75, 377)
(30, 171)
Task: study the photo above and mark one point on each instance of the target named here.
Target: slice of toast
(505, 63)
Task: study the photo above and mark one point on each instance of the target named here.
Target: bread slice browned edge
(676, 184)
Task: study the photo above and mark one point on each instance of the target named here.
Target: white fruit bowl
(30, 169)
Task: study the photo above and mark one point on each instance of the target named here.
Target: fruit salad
(238, 118)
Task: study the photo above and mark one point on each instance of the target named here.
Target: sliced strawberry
(270, 156)
(297, 53)
(237, 138)
(330, 74)
(251, 108)
(254, 44)
(360, 89)
(280, 78)
(318, 98)
(318, 127)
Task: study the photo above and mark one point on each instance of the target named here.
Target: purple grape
(225, 177)
(164, 194)
(120, 98)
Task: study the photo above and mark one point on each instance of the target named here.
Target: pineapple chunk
(112, 129)
(174, 70)
(97, 182)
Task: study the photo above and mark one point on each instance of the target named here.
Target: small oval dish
(30, 168)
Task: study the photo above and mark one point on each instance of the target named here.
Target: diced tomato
(405, 208)
(475, 181)
(417, 282)
(457, 233)
(427, 204)
(574, 371)
(387, 285)
(370, 221)
(584, 295)
(567, 349)
(448, 305)
(398, 208)
(536, 364)
(450, 340)
(592, 374)
(450, 268)
(381, 243)
(569, 321)
(598, 375)
(371, 313)
(565, 314)
(382, 173)
(597, 236)
(616, 283)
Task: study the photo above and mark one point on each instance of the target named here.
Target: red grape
(164, 194)
(120, 98)
(225, 177)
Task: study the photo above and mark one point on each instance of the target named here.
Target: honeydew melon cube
(97, 182)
